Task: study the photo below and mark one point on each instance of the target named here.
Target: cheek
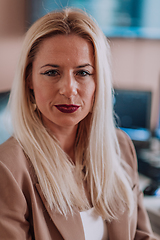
(90, 93)
(92, 99)
(41, 96)
(42, 91)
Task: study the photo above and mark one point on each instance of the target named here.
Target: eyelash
(51, 73)
(54, 73)
(83, 73)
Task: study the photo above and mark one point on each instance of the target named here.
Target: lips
(64, 108)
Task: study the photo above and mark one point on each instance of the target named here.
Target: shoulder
(11, 152)
(13, 160)
(128, 153)
(9, 146)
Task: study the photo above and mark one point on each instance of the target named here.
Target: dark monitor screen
(133, 110)
(157, 130)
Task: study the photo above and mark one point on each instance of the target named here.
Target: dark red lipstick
(65, 108)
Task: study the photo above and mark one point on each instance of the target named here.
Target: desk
(152, 205)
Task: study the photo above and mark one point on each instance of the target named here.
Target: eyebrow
(85, 65)
(50, 65)
(57, 66)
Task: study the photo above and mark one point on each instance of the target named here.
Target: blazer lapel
(125, 227)
(70, 228)
(119, 229)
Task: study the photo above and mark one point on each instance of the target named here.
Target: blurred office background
(133, 29)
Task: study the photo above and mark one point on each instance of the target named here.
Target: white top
(94, 226)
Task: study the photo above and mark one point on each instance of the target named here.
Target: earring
(32, 100)
(34, 105)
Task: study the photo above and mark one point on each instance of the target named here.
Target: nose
(68, 85)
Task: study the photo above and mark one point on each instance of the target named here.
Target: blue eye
(51, 73)
(83, 73)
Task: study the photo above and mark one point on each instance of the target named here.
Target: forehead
(65, 47)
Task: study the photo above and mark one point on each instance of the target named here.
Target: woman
(67, 173)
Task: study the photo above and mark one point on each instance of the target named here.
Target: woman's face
(63, 80)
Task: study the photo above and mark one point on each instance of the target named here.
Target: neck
(66, 138)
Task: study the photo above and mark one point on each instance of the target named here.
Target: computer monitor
(5, 120)
(157, 129)
(133, 109)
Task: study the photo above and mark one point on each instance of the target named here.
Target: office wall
(136, 65)
(12, 17)
(9, 54)
(135, 62)
(12, 28)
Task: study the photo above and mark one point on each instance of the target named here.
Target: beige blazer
(24, 213)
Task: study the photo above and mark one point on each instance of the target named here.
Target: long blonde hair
(97, 149)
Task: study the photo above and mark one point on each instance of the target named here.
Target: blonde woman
(67, 173)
